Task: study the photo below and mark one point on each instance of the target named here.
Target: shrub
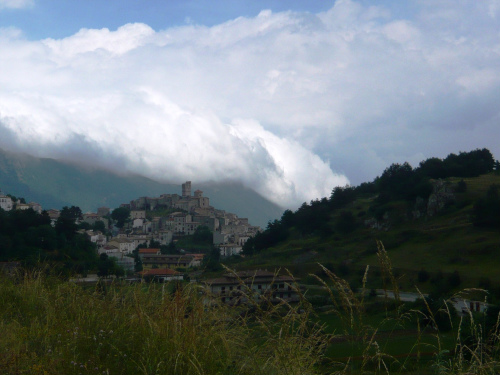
(454, 279)
(423, 276)
(461, 186)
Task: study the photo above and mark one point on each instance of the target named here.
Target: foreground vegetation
(54, 327)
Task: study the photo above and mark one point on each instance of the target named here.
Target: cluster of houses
(186, 213)
(148, 222)
(162, 219)
(7, 204)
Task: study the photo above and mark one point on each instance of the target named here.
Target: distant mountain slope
(55, 184)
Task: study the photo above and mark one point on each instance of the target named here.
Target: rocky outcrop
(419, 209)
(383, 224)
(442, 194)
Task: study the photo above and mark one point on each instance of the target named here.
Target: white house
(5, 202)
(125, 245)
(465, 306)
(226, 250)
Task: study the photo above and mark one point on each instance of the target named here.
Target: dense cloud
(291, 104)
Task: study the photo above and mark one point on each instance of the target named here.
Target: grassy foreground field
(53, 327)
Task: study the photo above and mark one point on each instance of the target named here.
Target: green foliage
(312, 218)
(137, 262)
(346, 222)
(54, 328)
(461, 186)
(454, 279)
(84, 225)
(171, 248)
(342, 196)
(71, 213)
(66, 223)
(121, 216)
(28, 237)
(465, 164)
(274, 233)
(99, 226)
(211, 261)
(153, 244)
(486, 211)
(203, 235)
(423, 276)
(400, 181)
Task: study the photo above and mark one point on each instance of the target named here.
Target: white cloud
(291, 104)
(16, 4)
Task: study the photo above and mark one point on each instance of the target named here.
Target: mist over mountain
(55, 184)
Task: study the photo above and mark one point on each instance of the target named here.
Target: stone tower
(186, 189)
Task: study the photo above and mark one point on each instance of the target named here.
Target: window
(259, 286)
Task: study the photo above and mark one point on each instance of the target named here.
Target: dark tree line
(28, 237)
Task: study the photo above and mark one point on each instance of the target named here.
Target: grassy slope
(446, 242)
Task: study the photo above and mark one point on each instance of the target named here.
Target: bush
(423, 276)
(454, 279)
(461, 186)
(486, 210)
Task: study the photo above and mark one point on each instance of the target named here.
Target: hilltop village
(189, 212)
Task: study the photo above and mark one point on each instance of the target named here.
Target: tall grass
(52, 327)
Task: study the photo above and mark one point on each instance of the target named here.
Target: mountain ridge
(55, 183)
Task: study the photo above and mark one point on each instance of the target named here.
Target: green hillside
(428, 245)
(55, 184)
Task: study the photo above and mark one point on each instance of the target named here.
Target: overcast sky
(289, 97)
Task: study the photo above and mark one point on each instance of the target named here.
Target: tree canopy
(121, 216)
